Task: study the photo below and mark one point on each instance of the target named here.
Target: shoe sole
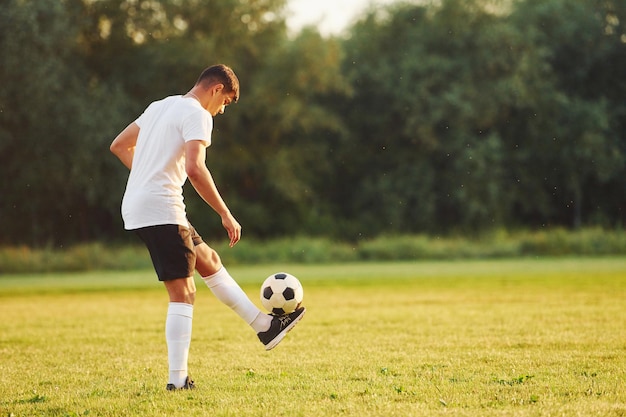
(272, 344)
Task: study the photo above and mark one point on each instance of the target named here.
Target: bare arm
(123, 146)
(202, 181)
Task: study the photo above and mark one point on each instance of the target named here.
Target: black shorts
(171, 248)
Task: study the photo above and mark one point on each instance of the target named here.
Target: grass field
(472, 338)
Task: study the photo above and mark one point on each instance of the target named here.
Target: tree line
(454, 116)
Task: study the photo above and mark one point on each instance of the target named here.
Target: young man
(163, 148)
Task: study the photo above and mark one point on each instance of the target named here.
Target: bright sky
(330, 16)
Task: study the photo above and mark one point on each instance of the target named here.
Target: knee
(190, 297)
(189, 293)
(216, 261)
(208, 261)
(181, 290)
(187, 297)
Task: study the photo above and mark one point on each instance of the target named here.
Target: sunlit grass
(523, 338)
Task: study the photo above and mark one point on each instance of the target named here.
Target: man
(163, 148)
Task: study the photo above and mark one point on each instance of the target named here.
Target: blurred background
(451, 117)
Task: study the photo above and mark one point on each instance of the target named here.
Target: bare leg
(208, 262)
(182, 290)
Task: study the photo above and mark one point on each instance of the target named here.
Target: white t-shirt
(154, 192)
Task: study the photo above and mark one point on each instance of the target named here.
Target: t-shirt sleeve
(139, 121)
(198, 126)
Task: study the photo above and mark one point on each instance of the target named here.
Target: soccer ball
(281, 293)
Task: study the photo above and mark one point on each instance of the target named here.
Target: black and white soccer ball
(281, 293)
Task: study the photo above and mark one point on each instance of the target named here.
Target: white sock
(178, 337)
(226, 289)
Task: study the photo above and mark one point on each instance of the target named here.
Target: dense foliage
(452, 116)
(554, 243)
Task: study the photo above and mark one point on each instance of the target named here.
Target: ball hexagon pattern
(281, 293)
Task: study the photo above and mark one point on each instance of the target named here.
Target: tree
(431, 84)
(277, 154)
(451, 116)
(51, 129)
(468, 117)
(573, 114)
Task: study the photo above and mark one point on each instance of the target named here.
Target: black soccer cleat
(188, 385)
(280, 326)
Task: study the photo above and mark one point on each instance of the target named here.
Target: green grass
(466, 338)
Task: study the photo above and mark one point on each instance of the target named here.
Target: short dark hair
(220, 74)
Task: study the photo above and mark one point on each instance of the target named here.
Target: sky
(330, 16)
